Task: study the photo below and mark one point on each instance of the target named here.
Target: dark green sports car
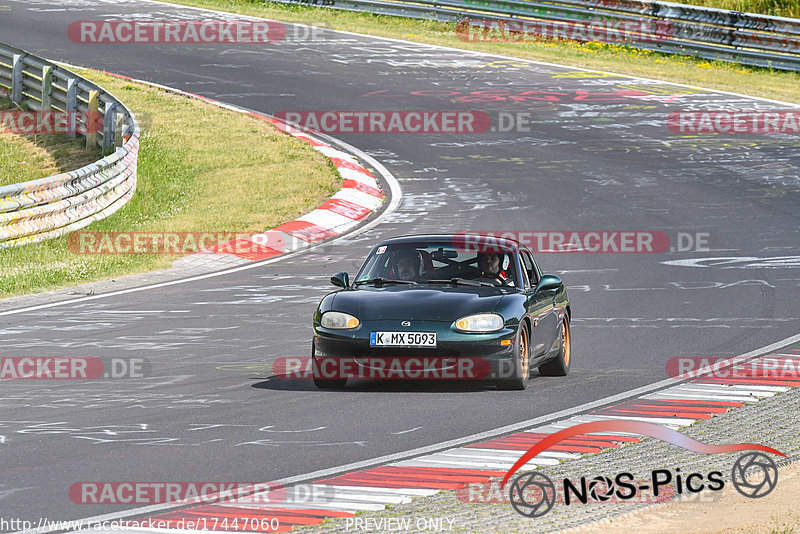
(443, 307)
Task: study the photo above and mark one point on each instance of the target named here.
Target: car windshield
(438, 262)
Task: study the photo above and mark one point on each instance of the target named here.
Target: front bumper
(457, 355)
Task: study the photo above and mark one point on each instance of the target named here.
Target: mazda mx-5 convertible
(443, 307)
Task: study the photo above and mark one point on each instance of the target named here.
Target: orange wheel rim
(565, 342)
(523, 347)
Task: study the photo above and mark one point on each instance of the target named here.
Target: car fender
(512, 308)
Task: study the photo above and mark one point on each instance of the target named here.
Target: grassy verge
(196, 175)
(201, 169)
(21, 160)
(28, 157)
(778, 8)
(681, 69)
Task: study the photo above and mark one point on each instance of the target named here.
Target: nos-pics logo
(533, 494)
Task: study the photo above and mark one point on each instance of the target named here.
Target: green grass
(201, 168)
(29, 157)
(600, 56)
(778, 8)
(21, 160)
(179, 192)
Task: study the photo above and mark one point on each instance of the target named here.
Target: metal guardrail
(717, 34)
(51, 207)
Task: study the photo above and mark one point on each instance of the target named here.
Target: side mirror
(549, 282)
(341, 280)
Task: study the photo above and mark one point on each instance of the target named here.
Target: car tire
(559, 366)
(521, 362)
(324, 383)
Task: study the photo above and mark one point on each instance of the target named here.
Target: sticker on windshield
(381, 250)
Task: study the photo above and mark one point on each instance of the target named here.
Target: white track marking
(727, 391)
(482, 54)
(556, 455)
(416, 492)
(550, 423)
(395, 200)
(700, 397)
(396, 196)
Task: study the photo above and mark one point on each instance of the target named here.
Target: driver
(406, 265)
(489, 266)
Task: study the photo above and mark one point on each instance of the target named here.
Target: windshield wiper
(381, 281)
(462, 281)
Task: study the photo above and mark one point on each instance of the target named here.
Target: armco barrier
(745, 38)
(53, 206)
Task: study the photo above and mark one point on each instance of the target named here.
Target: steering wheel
(492, 279)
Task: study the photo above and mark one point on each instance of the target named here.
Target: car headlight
(480, 322)
(338, 320)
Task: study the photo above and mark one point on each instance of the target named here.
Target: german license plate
(402, 339)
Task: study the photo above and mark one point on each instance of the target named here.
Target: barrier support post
(47, 86)
(108, 125)
(72, 107)
(118, 125)
(16, 78)
(91, 125)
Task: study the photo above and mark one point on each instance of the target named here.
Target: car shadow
(284, 383)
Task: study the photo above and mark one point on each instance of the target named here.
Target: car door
(540, 307)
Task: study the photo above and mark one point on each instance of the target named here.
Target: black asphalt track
(598, 157)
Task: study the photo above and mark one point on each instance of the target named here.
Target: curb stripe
(475, 463)
(363, 187)
(306, 231)
(726, 404)
(354, 176)
(346, 208)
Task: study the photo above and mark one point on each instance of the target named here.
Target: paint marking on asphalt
(350, 474)
(394, 202)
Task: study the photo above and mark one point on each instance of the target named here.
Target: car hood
(416, 303)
